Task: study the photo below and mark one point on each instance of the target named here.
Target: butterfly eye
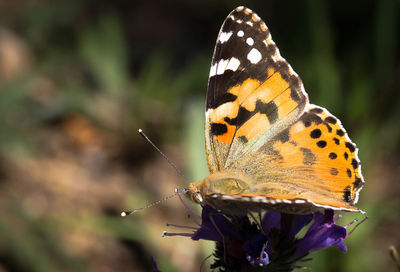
(199, 197)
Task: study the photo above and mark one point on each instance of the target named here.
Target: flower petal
(213, 224)
(323, 233)
(271, 220)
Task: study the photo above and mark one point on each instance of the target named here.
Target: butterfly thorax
(218, 183)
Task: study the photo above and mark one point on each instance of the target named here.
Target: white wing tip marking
(224, 36)
(213, 70)
(221, 66)
(233, 64)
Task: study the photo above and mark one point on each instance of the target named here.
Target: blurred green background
(78, 78)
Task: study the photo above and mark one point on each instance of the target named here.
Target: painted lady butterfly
(267, 146)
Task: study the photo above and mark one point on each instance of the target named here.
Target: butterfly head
(195, 192)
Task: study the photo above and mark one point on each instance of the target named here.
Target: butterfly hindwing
(313, 160)
(252, 91)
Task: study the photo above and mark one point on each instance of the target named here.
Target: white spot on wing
(224, 36)
(249, 23)
(250, 41)
(240, 33)
(221, 66)
(254, 56)
(233, 64)
(257, 198)
(213, 70)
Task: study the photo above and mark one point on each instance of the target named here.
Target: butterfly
(267, 146)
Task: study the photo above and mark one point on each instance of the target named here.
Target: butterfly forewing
(253, 93)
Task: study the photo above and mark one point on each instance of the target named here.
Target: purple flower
(271, 244)
(208, 231)
(323, 233)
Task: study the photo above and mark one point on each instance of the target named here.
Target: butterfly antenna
(165, 156)
(126, 213)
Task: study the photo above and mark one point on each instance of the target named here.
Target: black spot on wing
(354, 163)
(336, 140)
(218, 129)
(331, 119)
(340, 132)
(351, 147)
(332, 155)
(348, 172)
(357, 183)
(316, 133)
(321, 144)
(347, 194)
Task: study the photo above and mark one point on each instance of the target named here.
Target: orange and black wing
(253, 93)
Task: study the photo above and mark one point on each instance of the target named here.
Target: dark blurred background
(78, 78)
